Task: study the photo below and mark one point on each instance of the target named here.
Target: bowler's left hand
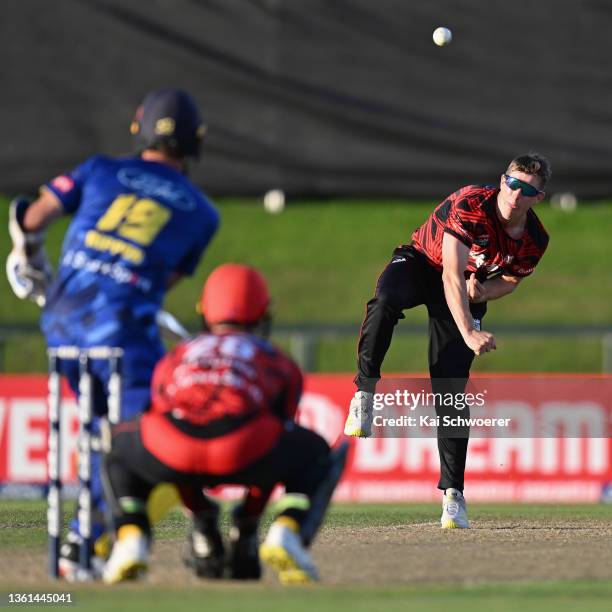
(476, 290)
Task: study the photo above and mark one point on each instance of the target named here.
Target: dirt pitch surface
(492, 551)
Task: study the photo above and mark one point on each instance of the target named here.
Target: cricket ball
(442, 36)
(274, 201)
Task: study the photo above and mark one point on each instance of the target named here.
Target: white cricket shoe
(284, 552)
(361, 413)
(129, 558)
(454, 511)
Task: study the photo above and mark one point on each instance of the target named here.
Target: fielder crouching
(223, 407)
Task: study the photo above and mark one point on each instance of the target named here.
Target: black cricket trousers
(409, 280)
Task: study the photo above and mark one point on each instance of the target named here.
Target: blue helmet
(169, 119)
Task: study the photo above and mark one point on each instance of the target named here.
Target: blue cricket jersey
(135, 223)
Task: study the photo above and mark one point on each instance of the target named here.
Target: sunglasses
(526, 189)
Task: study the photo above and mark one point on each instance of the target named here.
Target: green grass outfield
(322, 259)
(550, 597)
(22, 526)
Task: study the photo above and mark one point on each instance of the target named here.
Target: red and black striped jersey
(470, 215)
(219, 402)
(226, 377)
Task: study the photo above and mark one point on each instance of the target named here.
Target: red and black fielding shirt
(219, 403)
(470, 216)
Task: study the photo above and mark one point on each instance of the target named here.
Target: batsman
(475, 247)
(138, 225)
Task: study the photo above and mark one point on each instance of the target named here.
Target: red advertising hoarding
(530, 468)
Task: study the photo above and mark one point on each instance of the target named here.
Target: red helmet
(234, 293)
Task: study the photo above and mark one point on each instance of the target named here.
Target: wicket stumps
(84, 356)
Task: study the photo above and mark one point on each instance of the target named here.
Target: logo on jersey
(482, 241)
(146, 183)
(63, 183)
(524, 271)
(80, 260)
(479, 259)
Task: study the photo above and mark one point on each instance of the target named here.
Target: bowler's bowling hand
(480, 341)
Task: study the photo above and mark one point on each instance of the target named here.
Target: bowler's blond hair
(532, 163)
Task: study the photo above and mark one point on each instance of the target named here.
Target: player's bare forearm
(456, 298)
(454, 260)
(499, 287)
(42, 211)
(490, 290)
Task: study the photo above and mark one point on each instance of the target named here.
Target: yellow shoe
(129, 558)
(284, 552)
